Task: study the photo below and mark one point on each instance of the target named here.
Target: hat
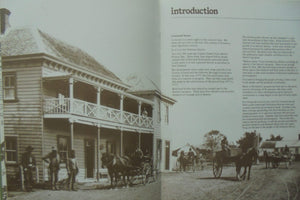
(29, 148)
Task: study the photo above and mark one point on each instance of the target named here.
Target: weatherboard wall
(23, 116)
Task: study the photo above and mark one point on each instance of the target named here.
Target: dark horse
(268, 159)
(116, 166)
(120, 166)
(245, 160)
(108, 162)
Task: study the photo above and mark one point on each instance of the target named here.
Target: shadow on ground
(221, 178)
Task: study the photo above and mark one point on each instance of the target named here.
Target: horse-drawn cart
(133, 170)
(276, 158)
(186, 162)
(234, 155)
(220, 158)
(143, 172)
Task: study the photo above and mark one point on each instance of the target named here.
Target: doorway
(89, 147)
(167, 163)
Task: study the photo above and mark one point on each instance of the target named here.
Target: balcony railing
(91, 110)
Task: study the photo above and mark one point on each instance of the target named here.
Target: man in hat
(191, 154)
(72, 168)
(28, 164)
(224, 146)
(53, 159)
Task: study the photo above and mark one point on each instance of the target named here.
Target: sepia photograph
(143, 100)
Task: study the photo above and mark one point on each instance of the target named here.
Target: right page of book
(233, 68)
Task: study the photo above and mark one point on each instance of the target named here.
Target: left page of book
(81, 82)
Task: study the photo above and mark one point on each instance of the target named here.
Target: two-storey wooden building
(144, 87)
(55, 94)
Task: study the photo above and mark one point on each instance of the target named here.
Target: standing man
(225, 147)
(286, 150)
(191, 154)
(54, 160)
(28, 164)
(72, 168)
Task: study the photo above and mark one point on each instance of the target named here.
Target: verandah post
(140, 111)
(121, 146)
(71, 121)
(98, 150)
(71, 94)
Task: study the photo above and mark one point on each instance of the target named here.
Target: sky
(124, 36)
(113, 32)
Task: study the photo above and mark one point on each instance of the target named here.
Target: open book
(180, 94)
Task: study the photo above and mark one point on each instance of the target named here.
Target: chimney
(4, 22)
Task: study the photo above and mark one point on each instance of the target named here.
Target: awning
(55, 75)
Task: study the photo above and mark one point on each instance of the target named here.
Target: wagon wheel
(275, 164)
(217, 168)
(146, 173)
(133, 177)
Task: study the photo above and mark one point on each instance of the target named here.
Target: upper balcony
(56, 107)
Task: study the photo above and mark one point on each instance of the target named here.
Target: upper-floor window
(9, 86)
(167, 114)
(11, 149)
(159, 112)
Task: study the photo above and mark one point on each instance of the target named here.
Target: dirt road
(265, 184)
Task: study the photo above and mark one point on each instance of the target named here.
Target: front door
(89, 157)
(167, 161)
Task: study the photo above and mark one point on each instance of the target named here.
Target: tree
(248, 140)
(273, 138)
(213, 139)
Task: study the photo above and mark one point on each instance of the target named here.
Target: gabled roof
(140, 82)
(186, 148)
(268, 144)
(28, 40)
(141, 85)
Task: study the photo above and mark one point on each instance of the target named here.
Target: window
(9, 86)
(63, 144)
(167, 114)
(110, 147)
(158, 150)
(11, 149)
(159, 113)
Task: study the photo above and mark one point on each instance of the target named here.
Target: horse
(185, 160)
(245, 160)
(268, 159)
(120, 165)
(108, 162)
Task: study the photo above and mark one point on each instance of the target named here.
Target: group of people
(53, 158)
